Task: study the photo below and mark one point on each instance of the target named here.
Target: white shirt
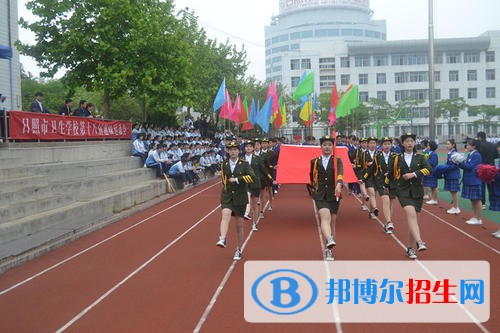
(386, 157)
(408, 158)
(232, 164)
(325, 160)
(372, 152)
(248, 158)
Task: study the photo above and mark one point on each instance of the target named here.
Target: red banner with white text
(43, 126)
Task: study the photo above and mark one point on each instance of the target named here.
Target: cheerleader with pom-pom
(451, 175)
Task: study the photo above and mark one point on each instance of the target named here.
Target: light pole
(432, 111)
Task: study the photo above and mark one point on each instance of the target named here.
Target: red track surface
(160, 275)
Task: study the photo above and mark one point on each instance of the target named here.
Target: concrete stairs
(50, 191)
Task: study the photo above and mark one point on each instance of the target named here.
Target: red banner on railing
(43, 126)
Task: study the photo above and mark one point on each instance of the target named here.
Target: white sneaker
(453, 210)
(328, 255)
(364, 208)
(496, 234)
(254, 227)
(474, 221)
(426, 197)
(237, 255)
(431, 202)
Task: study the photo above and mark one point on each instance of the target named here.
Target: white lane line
(122, 282)
(335, 307)
(99, 243)
(222, 284)
(462, 232)
(421, 264)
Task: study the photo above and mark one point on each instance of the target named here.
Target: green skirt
(333, 206)
(408, 201)
(236, 210)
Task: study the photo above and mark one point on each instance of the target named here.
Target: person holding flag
(326, 182)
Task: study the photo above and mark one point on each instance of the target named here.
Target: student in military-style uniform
(254, 188)
(270, 161)
(359, 162)
(368, 177)
(408, 170)
(326, 190)
(387, 192)
(235, 174)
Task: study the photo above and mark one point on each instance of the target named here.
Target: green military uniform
(234, 195)
(323, 183)
(409, 192)
(261, 173)
(368, 170)
(270, 159)
(381, 171)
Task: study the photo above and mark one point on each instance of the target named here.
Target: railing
(19, 125)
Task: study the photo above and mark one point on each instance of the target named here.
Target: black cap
(408, 135)
(327, 138)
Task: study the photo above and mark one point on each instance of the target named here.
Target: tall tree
(405, 110)
(488, 115)
(450, 109)
(117, 46)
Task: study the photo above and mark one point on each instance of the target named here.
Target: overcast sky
(243, 21)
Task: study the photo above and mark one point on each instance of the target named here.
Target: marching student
(359, 162)
(369, 175)
(495, 193)
(408, 169)
(472, 184)
(387, 192)
(254, 188)
(326, 197)
(270, 161)
(235, 174)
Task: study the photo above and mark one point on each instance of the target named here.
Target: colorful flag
(348, 101)
(306, 111)
(244, 111)
(253, 113)
(334, 100)
(220, 98)
(235, 112)
(264, 115)
(305, 87)
(283, 111)
(275, 107)
(226, 108)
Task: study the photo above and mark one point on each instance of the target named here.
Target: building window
(453, 76)
(472, 93)
(417, 59)
(344, 79)
(326, 60)
(398, 60)
(453, 57)
(381, 78)
(471, 57)
(294, 64)
(344, 62)
(306, 63)
(295, 81)
(363, 96)
(327, 78)
(438, 58)
(277, 69)
(437, 94)
(490, 92)
(380, 60)
(454, 93)
(382, 95)
(490, 56)
(361, 61)
(363, 78)
(490, 74)
(437, 76)
(326, 63)
(295, 46)
(471, 75)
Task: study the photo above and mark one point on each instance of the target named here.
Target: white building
(339, 42)
(10, 70)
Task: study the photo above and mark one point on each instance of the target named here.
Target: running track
(160, 271)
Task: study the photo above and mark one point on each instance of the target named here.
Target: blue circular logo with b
(284, 292)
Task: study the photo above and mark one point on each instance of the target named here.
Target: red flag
(243, 113)
(294, 163)
(246, 126)
(226, 108)
(332, 116)
(235, 114)
(278, 121)
(276, 105)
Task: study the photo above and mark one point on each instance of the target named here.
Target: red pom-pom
(487, 172)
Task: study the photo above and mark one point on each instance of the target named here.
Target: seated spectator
(139, 149)
(192, 170)
(206, 163)
(155, 162)
(177, 170)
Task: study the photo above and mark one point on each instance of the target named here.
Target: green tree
(113, 46)
(450, 109)
(488, 115)
(405, 110)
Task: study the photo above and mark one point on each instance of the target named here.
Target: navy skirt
(472, 192)
(452, 185)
